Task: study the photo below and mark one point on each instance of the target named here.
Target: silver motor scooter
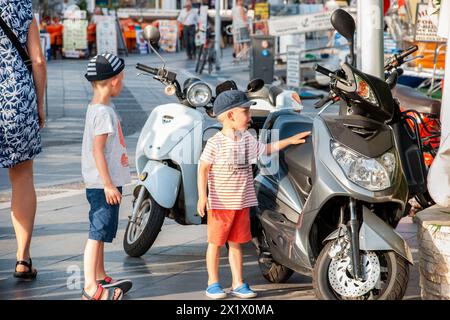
(328, 208)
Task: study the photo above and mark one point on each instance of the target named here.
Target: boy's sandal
(99, 293)
(29, 275)
(123, 284)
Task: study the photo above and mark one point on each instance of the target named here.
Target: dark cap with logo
(230, 99)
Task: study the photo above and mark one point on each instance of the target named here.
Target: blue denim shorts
(103, 218)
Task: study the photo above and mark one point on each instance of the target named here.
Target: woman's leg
(235, 258)
(23, 208)
(212, 263)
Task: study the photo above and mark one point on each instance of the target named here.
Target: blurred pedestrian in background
(240, 28)
(188, 18)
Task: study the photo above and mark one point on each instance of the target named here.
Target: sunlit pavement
(174, 268)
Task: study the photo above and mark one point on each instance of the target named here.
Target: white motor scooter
(167, 154)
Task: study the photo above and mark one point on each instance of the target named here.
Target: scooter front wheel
(385, 276)
(141, 234)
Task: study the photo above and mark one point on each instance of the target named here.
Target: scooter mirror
(255, 85)
(151, 34)
(343, 22)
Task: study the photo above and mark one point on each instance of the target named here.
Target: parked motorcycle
(166, 157)
(168, 150)
(422, 114)
(328, 208)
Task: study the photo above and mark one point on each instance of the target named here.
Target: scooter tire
(396, 287)
(151, 231)
(276, 273)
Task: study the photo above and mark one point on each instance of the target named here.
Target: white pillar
(370, 37)
(445, 104)
(218, 34)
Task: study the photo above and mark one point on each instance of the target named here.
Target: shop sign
(140, 41)
(168, 30)
(75, 38)
(106, 34)
(78, 14)
(426, 28)
(293, 74)
(261, 17)
(279, 26)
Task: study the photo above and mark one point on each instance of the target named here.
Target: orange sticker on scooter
(296, 98)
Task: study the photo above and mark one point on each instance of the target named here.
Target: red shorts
(229, 225)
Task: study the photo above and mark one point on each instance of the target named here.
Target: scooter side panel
(375, 234)
(186, 155)
(162, 183)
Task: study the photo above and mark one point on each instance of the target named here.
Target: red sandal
(99, 292)
(123, 284)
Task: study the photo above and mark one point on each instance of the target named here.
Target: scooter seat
(410, 98)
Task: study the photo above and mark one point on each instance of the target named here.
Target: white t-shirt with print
(103, 119)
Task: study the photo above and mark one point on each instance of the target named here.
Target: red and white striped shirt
(230, 179)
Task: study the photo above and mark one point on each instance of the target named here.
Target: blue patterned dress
(19, 126)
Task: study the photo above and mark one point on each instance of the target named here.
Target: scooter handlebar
(147, 69)
(408, 51)
(322, 70)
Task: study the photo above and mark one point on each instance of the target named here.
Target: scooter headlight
(374, 174)
(198, 94)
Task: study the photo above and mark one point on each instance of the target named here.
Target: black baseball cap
(230, 99)
(104, 66)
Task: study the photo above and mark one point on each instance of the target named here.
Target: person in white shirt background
(189, 18)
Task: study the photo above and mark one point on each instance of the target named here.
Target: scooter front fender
(162, 182)
(375, 234)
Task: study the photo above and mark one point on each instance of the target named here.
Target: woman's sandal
(26, 275)
(99, 293)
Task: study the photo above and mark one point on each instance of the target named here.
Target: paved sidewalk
(174, 268)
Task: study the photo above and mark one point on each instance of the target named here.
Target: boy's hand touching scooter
(280, 145)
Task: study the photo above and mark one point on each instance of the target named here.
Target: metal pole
(370, 36)
(359, 10)
(218, 34)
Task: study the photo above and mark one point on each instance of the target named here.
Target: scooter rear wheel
(272, 270)
(140, 236)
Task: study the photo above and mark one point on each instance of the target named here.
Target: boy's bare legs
(235, 258)
(212, 263)
(100, 271)
(91, 262)
(23, 208)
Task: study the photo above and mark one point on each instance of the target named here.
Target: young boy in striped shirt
(226, 169)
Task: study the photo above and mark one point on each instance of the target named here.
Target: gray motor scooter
(328, 208)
